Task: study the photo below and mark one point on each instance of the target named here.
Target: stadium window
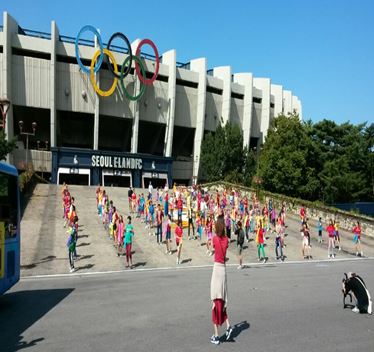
(214, 90)
(182, 82)
(257, 100)
(237, 95)
(30, 53)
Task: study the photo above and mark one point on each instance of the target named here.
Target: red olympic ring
(137, 68)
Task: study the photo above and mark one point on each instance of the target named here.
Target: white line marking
(272, 264)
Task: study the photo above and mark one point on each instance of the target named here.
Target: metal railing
(36, 34)
(71, 40)
(115, 48)
(185, 65)
(86, 42)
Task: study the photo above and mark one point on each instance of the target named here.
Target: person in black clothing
(239, 232)
(354, 284)
(129, 195)
(191, 221)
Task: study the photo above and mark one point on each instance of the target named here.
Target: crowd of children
(162, 210)
(243, 217)
(120, 232)
(197, 210)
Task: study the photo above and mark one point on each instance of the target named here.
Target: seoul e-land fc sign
(116, 162)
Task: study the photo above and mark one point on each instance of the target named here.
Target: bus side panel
(11, 269)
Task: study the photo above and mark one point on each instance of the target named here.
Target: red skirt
(219, 314)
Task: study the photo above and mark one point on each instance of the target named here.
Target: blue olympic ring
(101, 57)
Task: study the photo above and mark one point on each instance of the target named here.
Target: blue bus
(9, 227)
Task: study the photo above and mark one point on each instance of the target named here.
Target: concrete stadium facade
(40, 76)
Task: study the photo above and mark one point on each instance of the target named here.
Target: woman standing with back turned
(218, 285)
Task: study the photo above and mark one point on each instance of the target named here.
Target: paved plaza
(43, 242)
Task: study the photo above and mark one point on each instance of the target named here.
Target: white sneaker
(240, 267)
(72, 270)
(356, 254)
(355, 310)
(362, 254)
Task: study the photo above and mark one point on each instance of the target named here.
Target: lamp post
(27, 134)
(4, 107)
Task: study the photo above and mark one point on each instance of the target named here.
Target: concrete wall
(236, 115)
(153, 106)
(213, 111)
(185, 107)
(71, 82)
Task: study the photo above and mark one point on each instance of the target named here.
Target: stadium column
(224, 73)
(97, 105)
(53, 81)
(287, 102)
(135, 106)
(170, 58)
(10, 28)
(277, 91)
(246, 80)
(200, 66)
(299, 109)
(264, 85)
(295, 103)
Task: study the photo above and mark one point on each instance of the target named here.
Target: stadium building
(82, 137)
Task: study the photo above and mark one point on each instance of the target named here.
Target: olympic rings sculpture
(105, 53)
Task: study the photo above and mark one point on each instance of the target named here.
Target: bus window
(8, 204)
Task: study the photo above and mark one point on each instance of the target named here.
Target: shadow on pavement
(87, 266)
(83, 244)
(139, 264)
(42, 261)
(87, 256)
(238, 328)
(20, 310)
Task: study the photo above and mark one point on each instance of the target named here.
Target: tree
(222, 155)
(288, 159)
(5, 146)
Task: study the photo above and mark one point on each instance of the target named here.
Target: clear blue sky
(322, 50)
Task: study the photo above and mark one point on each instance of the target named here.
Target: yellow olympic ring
(92, 74)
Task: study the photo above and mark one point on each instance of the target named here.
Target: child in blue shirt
(319, 229)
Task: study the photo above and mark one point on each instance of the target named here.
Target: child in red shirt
(218, 285)
(330, 231)
(357, 239)
(179, 241)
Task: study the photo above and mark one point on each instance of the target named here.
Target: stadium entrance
(91, 167)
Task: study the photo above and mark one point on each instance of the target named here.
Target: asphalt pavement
(275, 306)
